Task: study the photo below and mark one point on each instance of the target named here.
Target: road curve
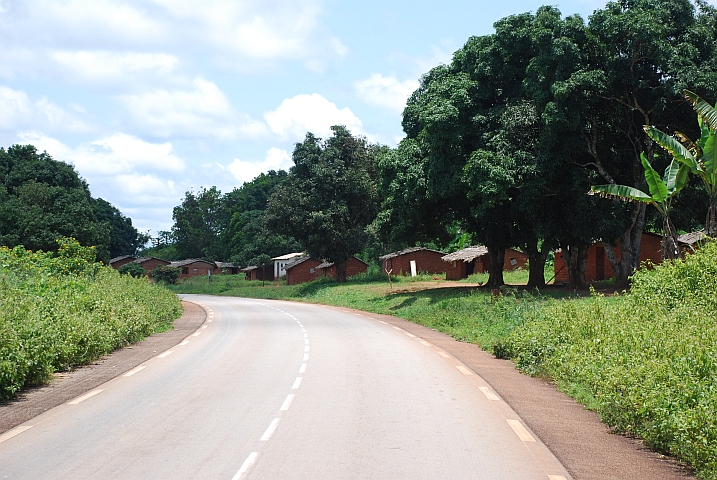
(267, 389)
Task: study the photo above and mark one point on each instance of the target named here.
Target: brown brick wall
(302, 272)
(459, 269)
(426, 262)
(196, 269)
(597, 265)
(257, 274)
(124, 261)
(354, 267)
(153, 263)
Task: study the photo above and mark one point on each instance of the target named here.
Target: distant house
(281, 262)
(117, 262)
(475, 260)
(227, 268)
(690, 242)
(302, 270)
(598, 266)
(194, 267)
(150, 263)
(427, 261)
(253, 272)
(353, 267)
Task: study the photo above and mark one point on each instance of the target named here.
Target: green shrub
(646, 361)
(132, 269)
(165, 274)
(64, 310)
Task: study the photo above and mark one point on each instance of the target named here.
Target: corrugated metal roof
(189, 261)
(289, 256)
(122, 257)
(467, 254)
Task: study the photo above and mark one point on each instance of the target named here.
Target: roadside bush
(646, 361)
(61, 311)
(165, 274)
(132, 269)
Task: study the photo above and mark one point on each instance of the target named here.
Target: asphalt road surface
(278, 390)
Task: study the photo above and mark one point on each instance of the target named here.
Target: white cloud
(246, 171)
(309, 113)
(104, 67)
(20, 112)
(113, 155)
(203, 111)
(387, 92)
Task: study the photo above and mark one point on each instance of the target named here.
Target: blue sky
(149, 99)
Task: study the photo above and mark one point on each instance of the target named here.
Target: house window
(194, 270)
(311, 270)
(185, 270)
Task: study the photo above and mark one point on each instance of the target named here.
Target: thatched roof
(467, 254)
(404, 252)
(692, 238)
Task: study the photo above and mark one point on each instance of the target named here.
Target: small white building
(283, 261)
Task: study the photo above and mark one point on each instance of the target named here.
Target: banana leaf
(623, 192)
(703, 109)
(672, 145)
(657, 186)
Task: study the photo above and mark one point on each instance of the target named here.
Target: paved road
(282, 390)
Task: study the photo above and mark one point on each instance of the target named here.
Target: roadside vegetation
(61, 310)
(646, 360)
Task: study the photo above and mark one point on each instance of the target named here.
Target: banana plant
(700, 156)
(662, 190)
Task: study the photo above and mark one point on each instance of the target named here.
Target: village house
(150, 263)
(194, 267)
(302, 270)
(353, 267)
(253, 272)
(474, 259)
(117, 262)
(227, 268)
(281, 262)
(427, 261)
(597, 266)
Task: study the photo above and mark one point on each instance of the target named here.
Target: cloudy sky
(151, 98)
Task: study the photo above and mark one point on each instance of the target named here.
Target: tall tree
(42, 200)
(198, 222)
(124, 238)
(329, 197)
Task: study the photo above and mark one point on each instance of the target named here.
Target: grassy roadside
(61, 311)
(645, 361)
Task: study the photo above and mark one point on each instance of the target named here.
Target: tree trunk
(536, 273)
(711, 223)
(575, 257)
(630, 242)
(670, 248)
(496, 258)
(341, 271)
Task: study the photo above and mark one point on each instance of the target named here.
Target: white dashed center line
(296, 384)
(246, 465)
(270, 431)
(287, 403)
(303, 368)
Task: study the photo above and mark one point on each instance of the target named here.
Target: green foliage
(132, 269)
(646, 361)
(164, 274)
(63, 310)
(124, 239)
(42, 199)
(329, 197)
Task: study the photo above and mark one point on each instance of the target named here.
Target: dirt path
(574, 435)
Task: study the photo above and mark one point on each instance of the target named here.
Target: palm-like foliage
(662, 191)
(700, 156)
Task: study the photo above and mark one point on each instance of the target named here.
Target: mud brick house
(194, 267)
(150, 263)
(281, 262)
(117, 262)
(302, 270)
(227, 268)
(597, 265)
(427, 261)
(354, 267)
(253, 272)
(475, 260)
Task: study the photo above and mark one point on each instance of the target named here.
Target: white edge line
(246, 465)
(444, 354)
(385, 323)
(183, 343)
(85, 397)
(165, 354)
(556, 477)
(135, 370)
(520, 430)
(287, 403)
(270, 430)
(15, 431)
(196, 334)
(204, 326)
(488, 394)
(464, 370)
(410, 334)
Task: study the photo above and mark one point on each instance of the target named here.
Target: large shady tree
(329, 197)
